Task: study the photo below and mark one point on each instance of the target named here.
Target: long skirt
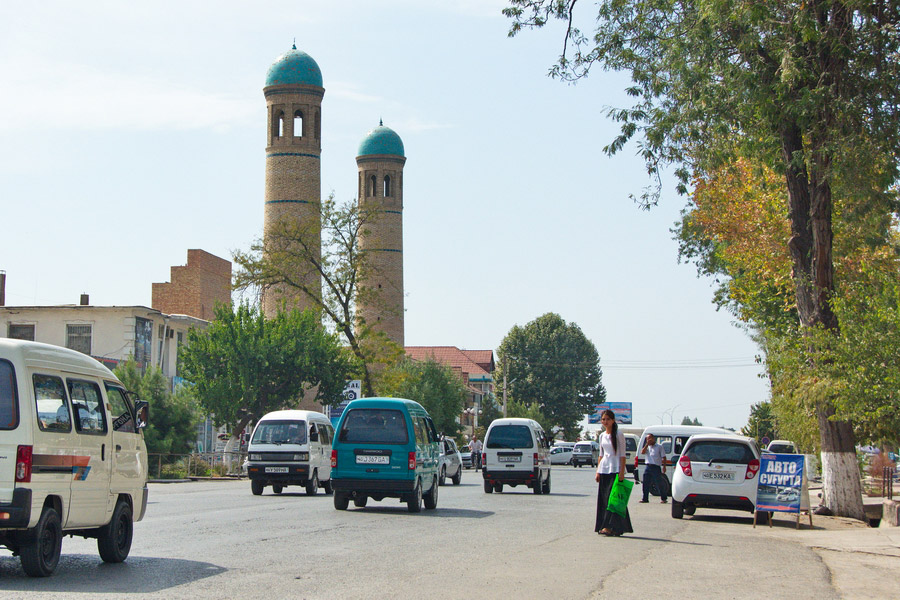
(607, 519)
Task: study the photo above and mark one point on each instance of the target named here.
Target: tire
(114, 540)
(312, 486)
(341, 500)
(326, 485)
(456, 479)
(689, 509)
(360, 501)
(546, 488)
(277, 488)
(677, 509)
(40, 553)
(432, 497)
(538, 487)
(257, 487)
(414, 501)
(488, 488)
(442, 479)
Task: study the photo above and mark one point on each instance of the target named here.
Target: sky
(132, 132)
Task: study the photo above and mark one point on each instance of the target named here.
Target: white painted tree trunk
(230, 453)
(841, 484)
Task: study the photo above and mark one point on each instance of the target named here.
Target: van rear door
(9, 420)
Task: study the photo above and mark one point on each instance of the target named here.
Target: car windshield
(781, 448)
(374, 426)
(280, 432)
(730, 453)
(510, 436)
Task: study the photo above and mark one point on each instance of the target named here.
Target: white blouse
(609, 458)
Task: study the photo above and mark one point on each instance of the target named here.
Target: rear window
(587, 448)
(280, 432)
(729, 453)
(374, 426)
(9, 402)
(781, 448)
(510, 436)
(630, 445)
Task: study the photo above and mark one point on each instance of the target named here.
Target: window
(318, 125)
(374, 426)
(78, 337)
(87, 406)
(298, 123)
(21, 332)
(373, 183)
(122, 414)
(9, 398)
(510, 436)
(52, 406)
(729, 453)
(387, 186)
(324, 435)
(143, 336)
(278, 124)
(280, 432)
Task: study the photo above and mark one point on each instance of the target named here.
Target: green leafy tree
(433, 385)
(761, 423)
(530, 410)
(244, 365)
(490, 411)
(552, 363)
(688, 421)
(807, 87)
(172, 429)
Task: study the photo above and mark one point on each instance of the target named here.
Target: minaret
(380, 163)
(293, 168)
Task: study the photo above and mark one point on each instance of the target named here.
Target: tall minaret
(380, 163)
(293, 147)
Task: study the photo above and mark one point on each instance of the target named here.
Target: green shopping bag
(618, 496)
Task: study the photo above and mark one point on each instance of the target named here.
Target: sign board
(351, 392)
(782, 485)
(622, 410)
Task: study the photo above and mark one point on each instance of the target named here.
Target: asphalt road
(213, 539)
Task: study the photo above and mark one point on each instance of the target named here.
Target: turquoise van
(385, 448)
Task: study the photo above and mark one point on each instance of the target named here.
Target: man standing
(476, 447)
(656, 467)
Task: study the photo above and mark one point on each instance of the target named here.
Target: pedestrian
(610, 468)
(476, 447)
(656, 468)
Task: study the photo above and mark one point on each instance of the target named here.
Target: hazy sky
(131, 132)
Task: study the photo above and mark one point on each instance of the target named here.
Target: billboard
(351, 392)
(782, 485)
(622, 410)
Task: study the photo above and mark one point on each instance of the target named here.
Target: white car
(561, 455)
(450, 463)
(715, 471)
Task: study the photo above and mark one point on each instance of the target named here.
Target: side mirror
(142, 410)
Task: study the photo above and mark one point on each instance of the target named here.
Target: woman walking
(611, 466)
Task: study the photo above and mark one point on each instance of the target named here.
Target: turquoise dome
(381, 140)
(294, 67)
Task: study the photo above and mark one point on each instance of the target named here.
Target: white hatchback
(715, 471)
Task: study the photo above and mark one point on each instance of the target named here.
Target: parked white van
(72, 455)
(672, 438)
(516, 452)
(290, 447)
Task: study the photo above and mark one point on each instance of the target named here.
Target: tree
(688, 421)
(552, 363)
(761, 423)
(244, 365)
(433, 385)
(172, 429)
(530, 410)
(808, 88)
(292, 250)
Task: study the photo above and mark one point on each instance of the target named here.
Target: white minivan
(516, 452)
(72, 455)
(290, 447)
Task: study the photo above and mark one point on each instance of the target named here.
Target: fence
(887, 482)
(198, 464)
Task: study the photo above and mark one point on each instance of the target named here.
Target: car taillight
(535, 459)
(23, 464)
(685, 463)
(412, 461)
(483, 458)
(752, 469)
(635, 461)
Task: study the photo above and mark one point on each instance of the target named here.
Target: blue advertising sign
(622, 410)
(351, 392)
(780, 487)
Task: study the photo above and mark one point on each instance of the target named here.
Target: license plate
(509, 458)
(717, 475)
(364, 459)
(276, 469)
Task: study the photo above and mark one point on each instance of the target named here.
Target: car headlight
(256, 457)
(302, 456)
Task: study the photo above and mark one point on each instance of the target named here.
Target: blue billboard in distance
(622, 410)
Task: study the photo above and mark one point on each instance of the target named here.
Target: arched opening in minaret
(373, 185)
(298, 123)
(278, 125)
(387, 186)
(318, 125)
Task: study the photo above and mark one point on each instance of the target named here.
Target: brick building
(195, 288)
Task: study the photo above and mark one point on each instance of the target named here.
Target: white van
(631, 446)
(672, 438)
(72, 455)
(516, 452)
(290, 447)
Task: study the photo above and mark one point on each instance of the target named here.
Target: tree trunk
(840, 470)
(233, 447)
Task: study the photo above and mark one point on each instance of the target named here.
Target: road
(213, 539)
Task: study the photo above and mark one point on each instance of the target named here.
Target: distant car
(561, 455)
(788, 495)
(465, 456)
(782, 447)
(449, 463)
(586, 453)
(716, 471)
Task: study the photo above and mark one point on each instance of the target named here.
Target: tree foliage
(530, 410)
(244, 365)
(688, 421)
(552, 363)
(433, 385)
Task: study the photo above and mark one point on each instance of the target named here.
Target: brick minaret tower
(380, 163)
(293, 148)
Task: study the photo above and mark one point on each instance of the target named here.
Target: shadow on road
(629, 536)
(400, 510)
(88, 574)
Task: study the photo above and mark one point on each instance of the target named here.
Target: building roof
(294, 67)
(452, 357)
(381, 140)
(482, 358)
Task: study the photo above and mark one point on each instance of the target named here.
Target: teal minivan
(385, 448)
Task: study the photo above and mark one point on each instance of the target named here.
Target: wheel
(432, 496)
(456, 479)
(576, 464)
(360, 501)
(442, 480)
(277, 488)
(498, 487)
(689, 509)
(538, 486)
(312, 486)
(677, 509)
(414, 501)
(257, 487)
(488, 488)
(546, 488)
(114, 541)
(40, 553)
(341, 500)
(326, 485)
